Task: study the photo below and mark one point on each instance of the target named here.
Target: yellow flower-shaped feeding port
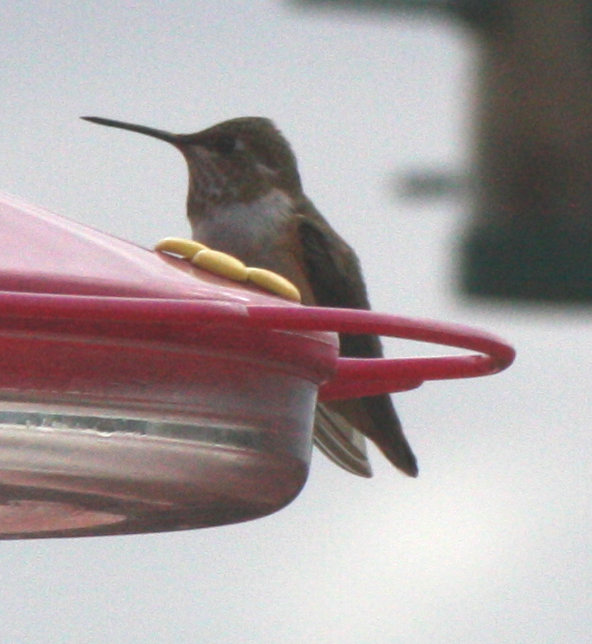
(186, 248)
(220, 264)
(228, 266)
(274, 283)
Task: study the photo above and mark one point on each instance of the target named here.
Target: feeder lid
(45, 253)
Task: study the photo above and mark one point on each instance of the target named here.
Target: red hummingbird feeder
(141, 394)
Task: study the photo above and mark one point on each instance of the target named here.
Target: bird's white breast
(243, 229)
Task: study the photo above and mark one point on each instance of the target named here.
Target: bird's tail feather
(341, 442)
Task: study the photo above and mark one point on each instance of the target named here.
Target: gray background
(491, 542)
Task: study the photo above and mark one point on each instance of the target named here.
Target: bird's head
(240, 160)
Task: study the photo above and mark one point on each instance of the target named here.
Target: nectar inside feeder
(140, 394)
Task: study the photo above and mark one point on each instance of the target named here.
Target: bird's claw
(228, 266)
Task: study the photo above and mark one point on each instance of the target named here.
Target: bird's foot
(228, 266)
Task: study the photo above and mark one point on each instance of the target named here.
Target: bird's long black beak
(163, 135)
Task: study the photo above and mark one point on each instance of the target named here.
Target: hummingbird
(245, 198)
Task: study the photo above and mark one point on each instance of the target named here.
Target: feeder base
(66, 475)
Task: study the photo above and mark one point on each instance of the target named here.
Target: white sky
(491, 543)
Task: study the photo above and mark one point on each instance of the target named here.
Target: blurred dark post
(531, 232)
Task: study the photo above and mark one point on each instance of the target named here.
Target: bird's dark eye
(224, 144)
